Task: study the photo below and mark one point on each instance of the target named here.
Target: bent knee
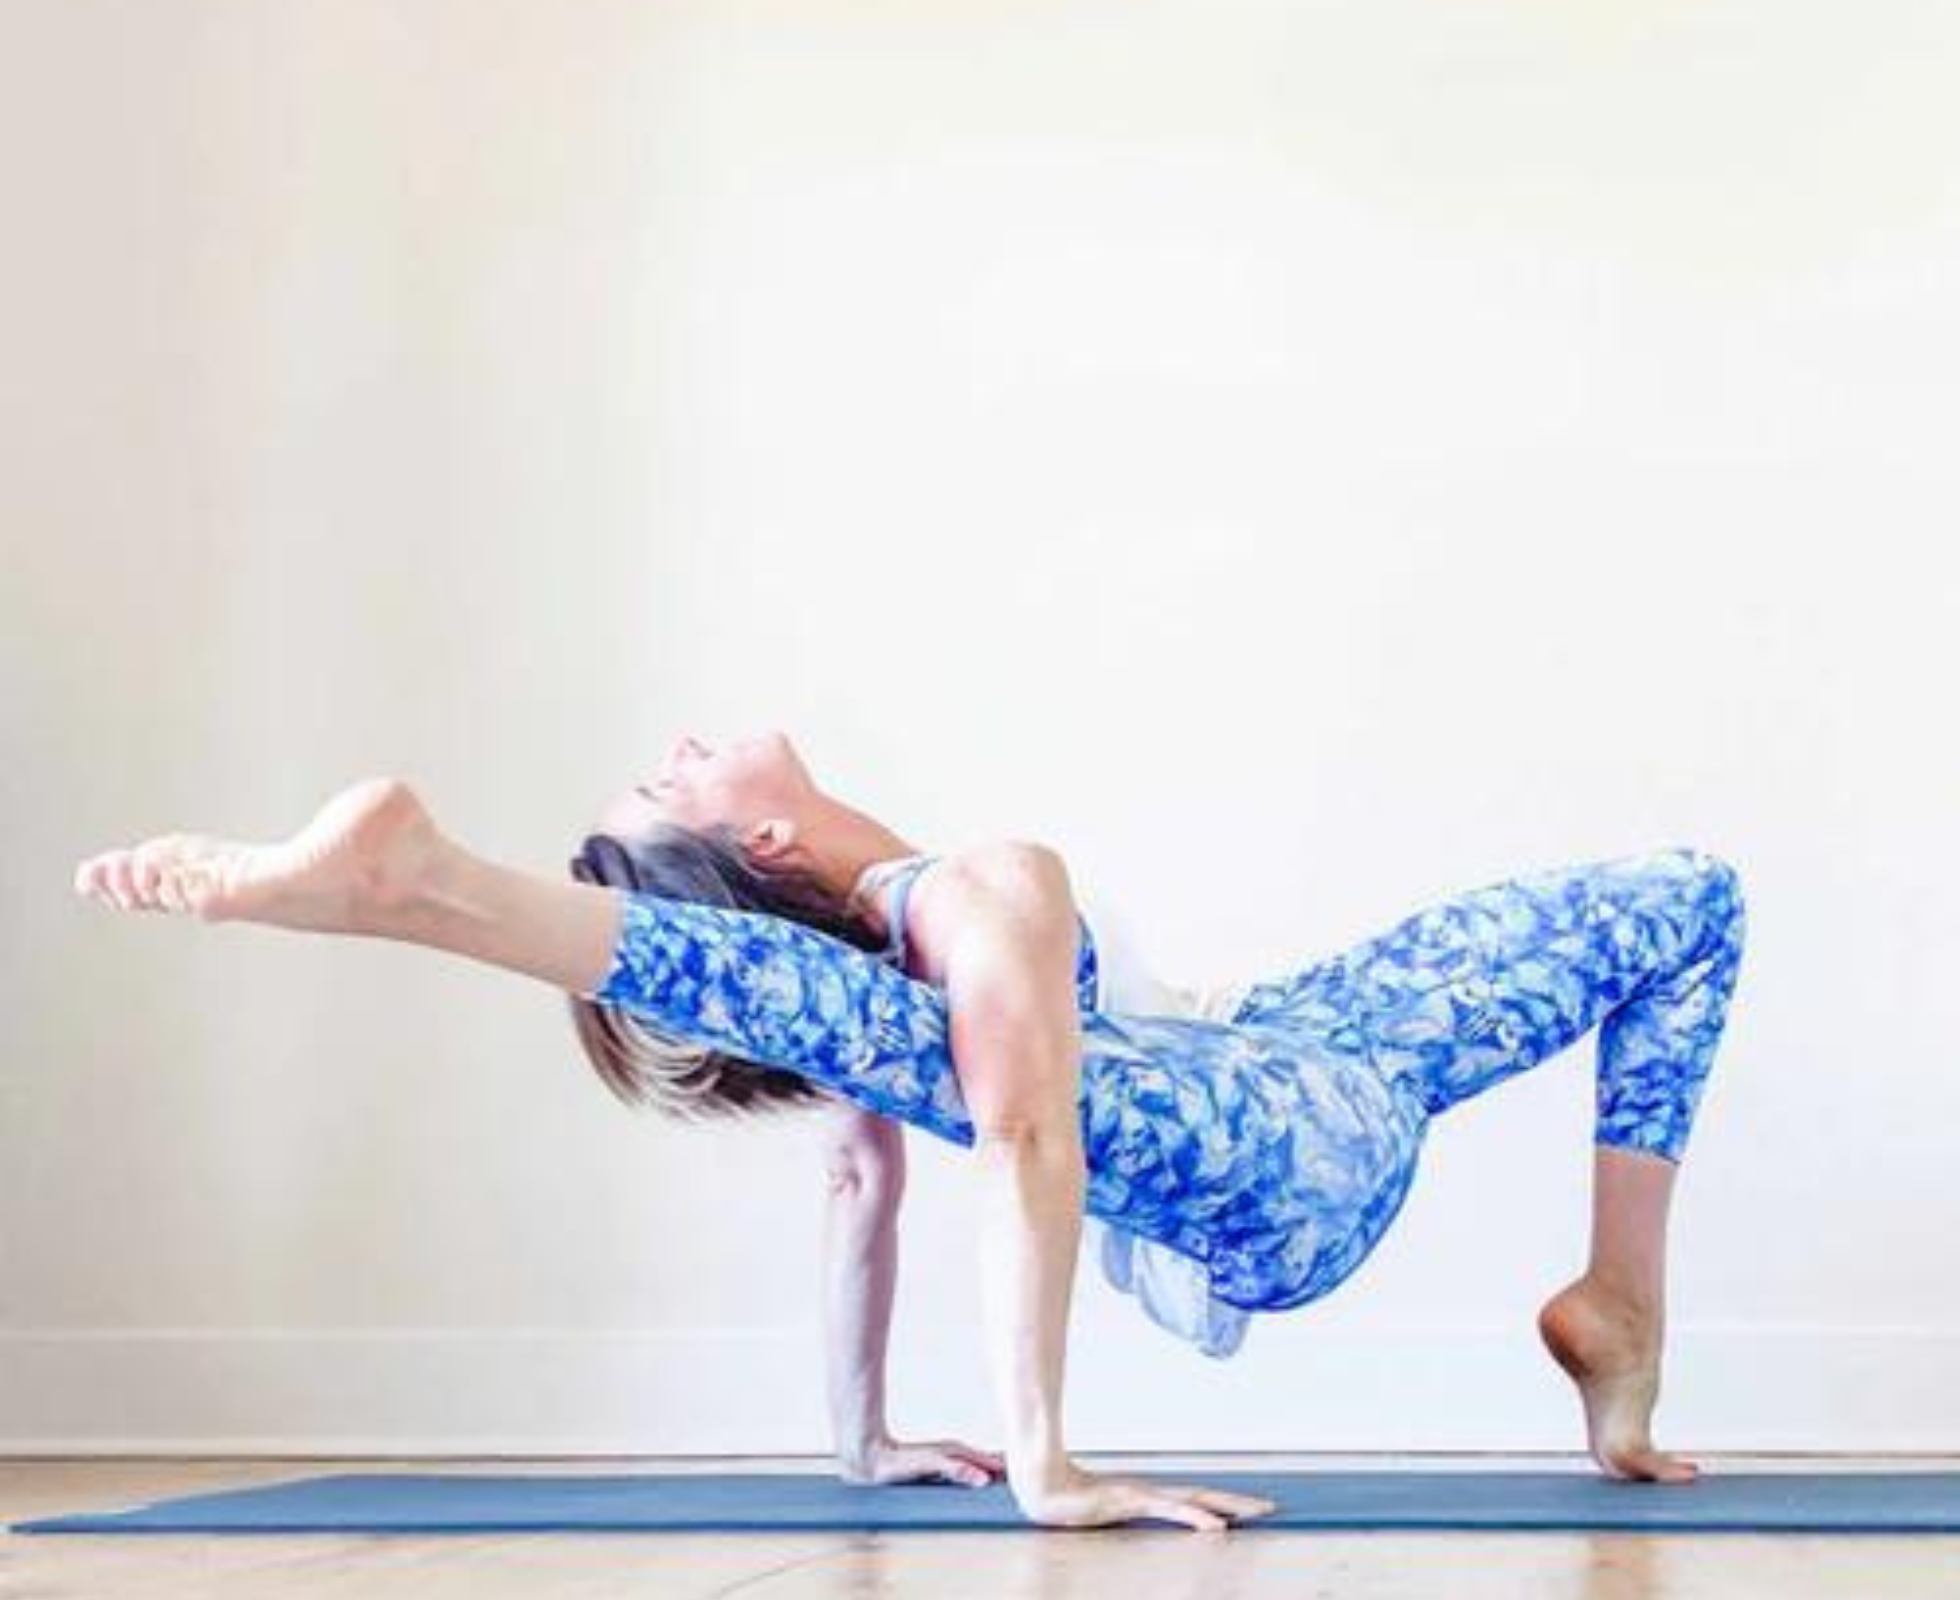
(1718, 883)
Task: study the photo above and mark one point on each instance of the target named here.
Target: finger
(1242, 1505)
(959, 1447)
(963, 1460)
(961, 1470)
(1189, 1513)
(935, 1468)
(921, 1465)
(1177, 1502)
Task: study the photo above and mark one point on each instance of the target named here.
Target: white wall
(1300, 458)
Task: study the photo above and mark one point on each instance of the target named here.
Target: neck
(842, 842)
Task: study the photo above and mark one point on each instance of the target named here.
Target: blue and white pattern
(1275, 1148)
(1472, 990)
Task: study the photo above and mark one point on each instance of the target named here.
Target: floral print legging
(1476, 988)
(1274, 1148)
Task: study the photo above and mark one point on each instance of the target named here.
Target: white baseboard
(471, 1392)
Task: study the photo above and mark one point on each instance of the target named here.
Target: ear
(771, 841)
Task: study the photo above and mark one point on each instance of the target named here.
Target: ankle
(1636, 1299)
(423, 886)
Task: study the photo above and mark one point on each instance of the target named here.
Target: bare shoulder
(995, 865)
(978, 887)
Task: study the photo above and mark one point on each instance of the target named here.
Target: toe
(116, 881)
(1649, 1465)
(171, 891)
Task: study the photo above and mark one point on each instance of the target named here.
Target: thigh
(1476, 986)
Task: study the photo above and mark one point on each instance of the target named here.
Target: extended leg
(373, 863)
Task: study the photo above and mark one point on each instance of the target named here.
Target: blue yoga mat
(426, 1503)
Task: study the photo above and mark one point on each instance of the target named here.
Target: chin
(790, 759)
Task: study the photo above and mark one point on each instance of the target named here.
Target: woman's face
(703, 782)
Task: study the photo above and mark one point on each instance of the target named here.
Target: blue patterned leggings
(1474, 989)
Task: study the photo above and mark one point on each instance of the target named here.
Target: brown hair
(647, 1069)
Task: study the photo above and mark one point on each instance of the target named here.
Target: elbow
(1033, 1126)
(1044, 1155)
(860, 1190)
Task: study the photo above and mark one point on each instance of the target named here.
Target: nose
(685, 745)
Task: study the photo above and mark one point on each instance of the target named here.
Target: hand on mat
(889, 1460)
(1078, 1499)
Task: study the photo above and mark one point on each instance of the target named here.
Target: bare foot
(1611, 1349)
(364, 853)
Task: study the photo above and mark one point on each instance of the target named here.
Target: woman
(718, 959)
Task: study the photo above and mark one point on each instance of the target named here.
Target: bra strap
(903, 877)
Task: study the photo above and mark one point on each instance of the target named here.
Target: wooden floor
(1133, 1564)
